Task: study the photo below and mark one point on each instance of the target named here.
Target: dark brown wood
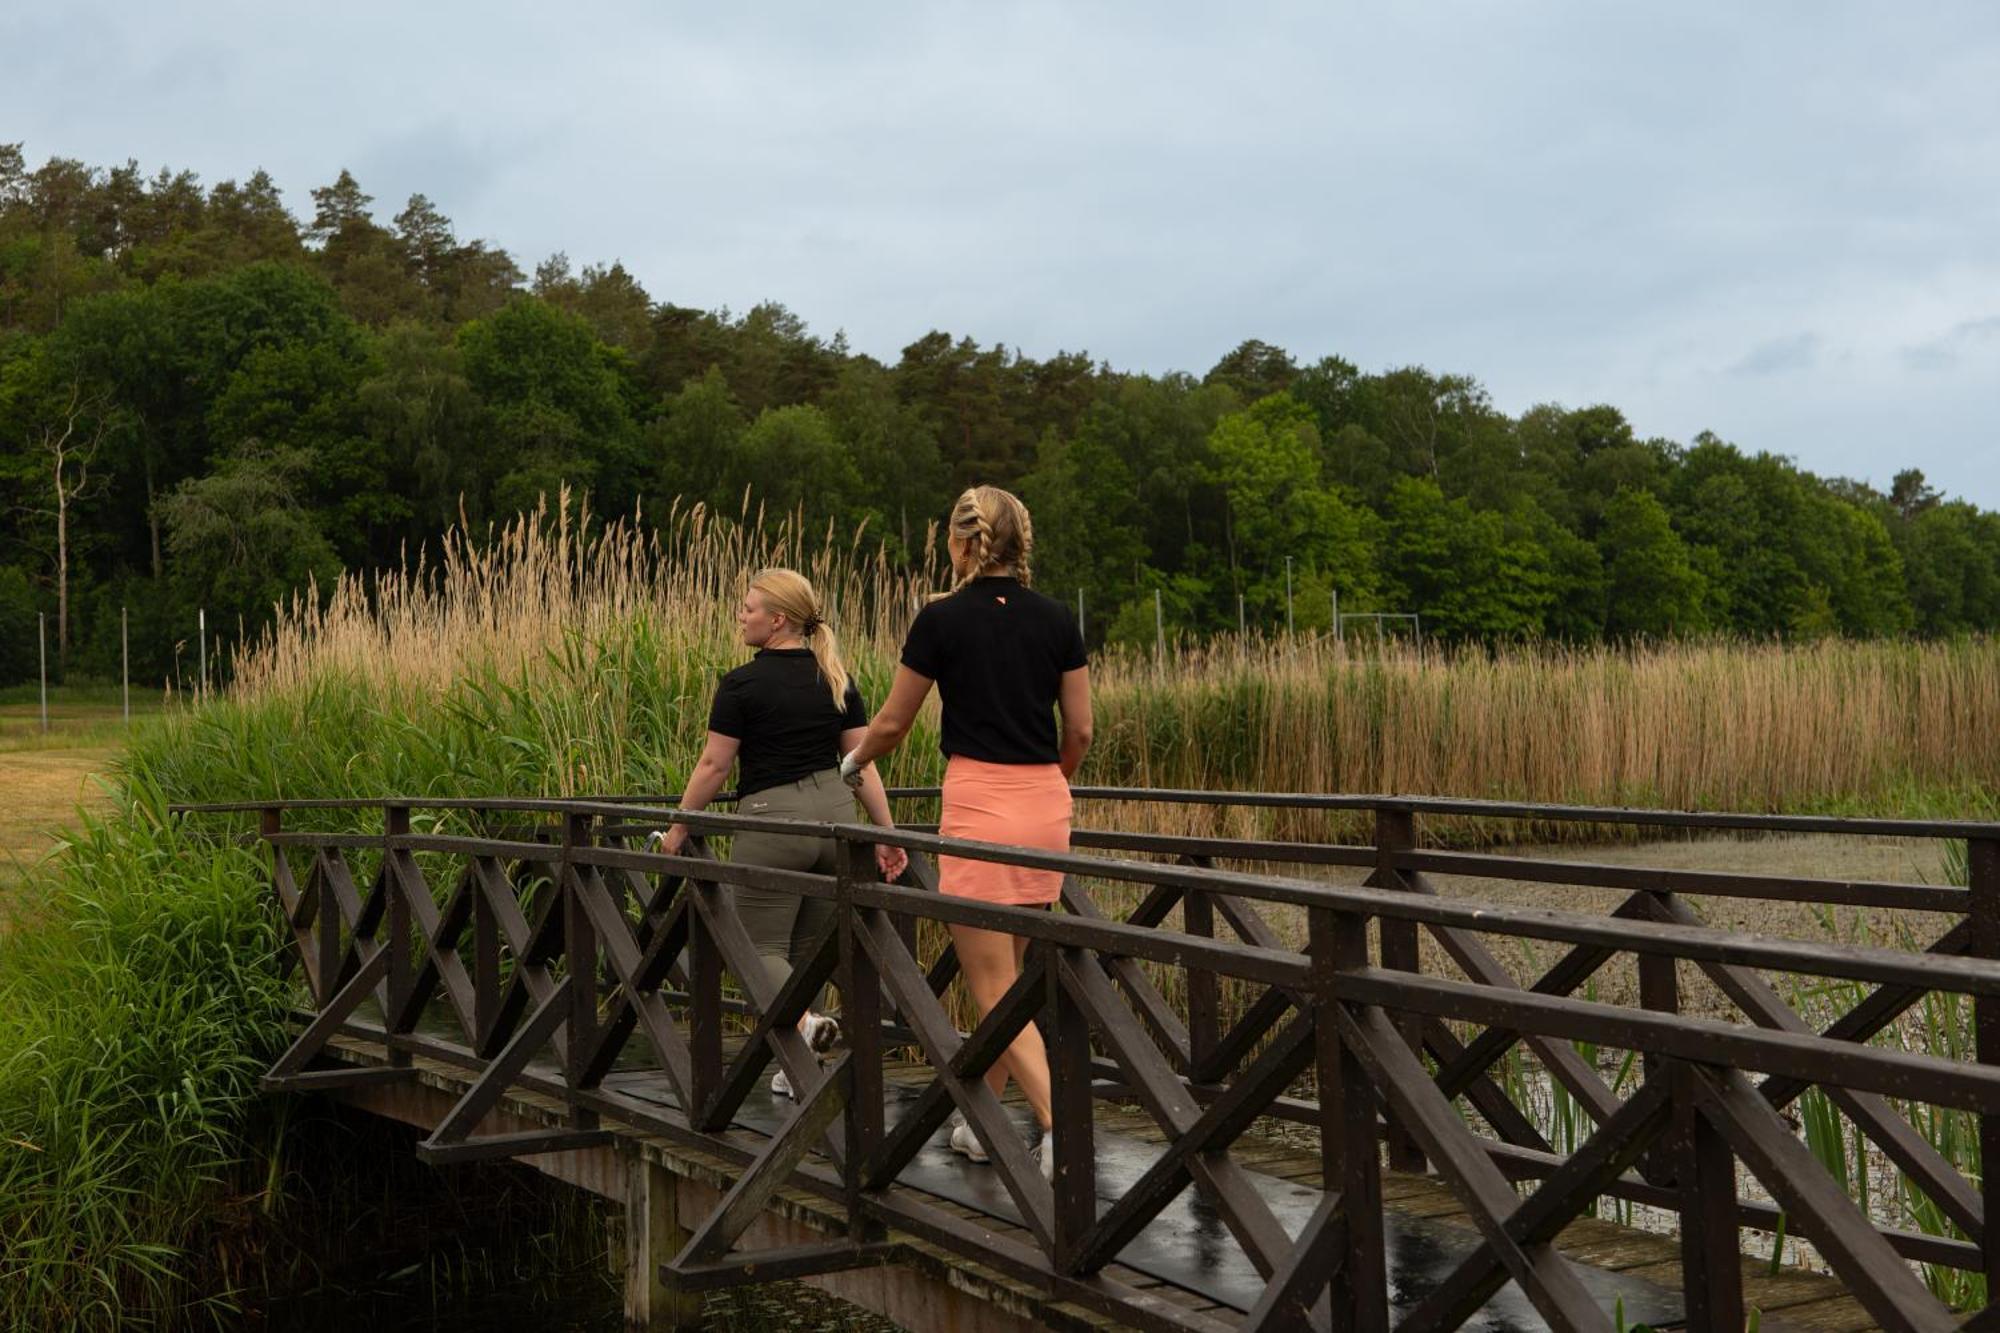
(327, 943)
(623, 974)
(784, 1264)
(330, 1018)
(338, 1078)
(1350, 1159)
(1660, 993)
(485, 955)
(492, 1084)
(1874, 1069)
(1881, 1007)
(1073, 1112)
(1166, 1098)
(860, 985)
(1705, 1170)
(1819, 1209)
(1569, 1189)
(1193, 1151)
(1709, 883)
(978, 1053)
(1018, 1174)
(1396, 832)
(1546, 1277)
(1487, 1097)
(637, 1001)
(1204, 998)
(1569, 972)
(1147, 1001)
(1983, 877)
(787, 1008)
(817, 1112)
(498, 1147)
(1296, 1295)
(1871, 1113)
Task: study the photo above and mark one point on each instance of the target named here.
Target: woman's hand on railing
(892, 862)
(669, 841)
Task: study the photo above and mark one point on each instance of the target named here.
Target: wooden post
(397, 922)
(1350, 1160)
(1711, 1259)
(486, 976)
(1204, 993)
(1660, 993)
(580, 950)
(704, 1012)
(1983, 878)
(654, 1234)
(1395, 831)
(1075, 1178)
(860, 983)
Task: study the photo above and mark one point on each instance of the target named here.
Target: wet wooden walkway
(1310, 1134)
(1190, 1263)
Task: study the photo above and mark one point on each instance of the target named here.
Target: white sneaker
(780, 1085)
(1045, 1156)
(964, 1141)
(821, 1031)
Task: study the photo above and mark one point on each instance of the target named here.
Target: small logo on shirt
(1001, 600)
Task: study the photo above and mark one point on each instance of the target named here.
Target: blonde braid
(972, 521)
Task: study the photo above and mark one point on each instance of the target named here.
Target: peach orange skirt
(1026, 805)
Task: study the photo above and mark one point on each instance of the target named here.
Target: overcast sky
(1779, 222)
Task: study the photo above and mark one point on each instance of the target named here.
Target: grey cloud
(1796, 352)
(1943, 351)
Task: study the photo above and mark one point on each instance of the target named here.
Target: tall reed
(561, 656)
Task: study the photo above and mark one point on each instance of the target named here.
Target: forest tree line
(207, 399)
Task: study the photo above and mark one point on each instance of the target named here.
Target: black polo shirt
(998, 652)
(780, 709)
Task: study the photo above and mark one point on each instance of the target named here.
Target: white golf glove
(850, 771)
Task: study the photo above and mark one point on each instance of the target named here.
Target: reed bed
(562, 656)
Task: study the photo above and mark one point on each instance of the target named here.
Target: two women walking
(1008, 665)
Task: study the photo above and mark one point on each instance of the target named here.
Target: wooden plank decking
(1790, 1300)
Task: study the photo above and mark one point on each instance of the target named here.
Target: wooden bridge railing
(560, 937)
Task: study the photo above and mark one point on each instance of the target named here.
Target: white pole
(1288, 594)
(125, 659)
(1242, 625)
(1159, 628)
(201, 622)
(1079, 612)
(42, 640)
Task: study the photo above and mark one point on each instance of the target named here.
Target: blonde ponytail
(788, 593)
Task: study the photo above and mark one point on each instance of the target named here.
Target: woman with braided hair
(1005, 660)
(783, 718)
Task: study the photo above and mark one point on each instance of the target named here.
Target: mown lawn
(45, 776)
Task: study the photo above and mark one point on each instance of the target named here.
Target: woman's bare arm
(711, 771)
(1074, 701)
(874, 797)
(892, 723)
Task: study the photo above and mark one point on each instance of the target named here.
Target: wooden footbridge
(1258, 1126)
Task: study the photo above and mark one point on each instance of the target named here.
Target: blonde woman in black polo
(783, 719)
(1007, 663)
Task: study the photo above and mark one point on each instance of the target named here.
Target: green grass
(138, 987)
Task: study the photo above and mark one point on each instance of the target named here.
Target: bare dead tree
(68, 441)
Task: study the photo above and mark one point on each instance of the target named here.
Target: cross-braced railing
(533, 955)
